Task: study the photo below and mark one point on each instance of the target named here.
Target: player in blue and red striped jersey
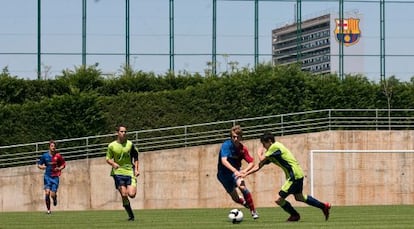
(229, 172)
(53, 163)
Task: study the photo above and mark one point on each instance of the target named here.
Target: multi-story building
(316, 46)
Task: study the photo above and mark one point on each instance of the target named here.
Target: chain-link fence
(41, 38)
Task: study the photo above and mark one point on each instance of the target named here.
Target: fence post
(329, 117)
(87, 148)
(185, 136)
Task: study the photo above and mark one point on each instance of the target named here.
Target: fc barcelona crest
(348, 31)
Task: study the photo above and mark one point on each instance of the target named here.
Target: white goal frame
(312, 152)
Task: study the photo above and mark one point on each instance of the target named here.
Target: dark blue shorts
(51, 183)
(291, 187)
(122, 180)
(228, 180)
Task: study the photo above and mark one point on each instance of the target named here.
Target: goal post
(376, 174)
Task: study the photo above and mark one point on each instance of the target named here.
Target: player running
(122, 156)
(278, 154)
(230, 158)
(53, 164)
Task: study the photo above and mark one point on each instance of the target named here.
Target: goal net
(362, 177)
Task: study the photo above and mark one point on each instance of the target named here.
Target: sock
(47, 201)
(249, 199)
(314, 202)
(127, 207)
(241, 200)
(288, 208)
(54, 199)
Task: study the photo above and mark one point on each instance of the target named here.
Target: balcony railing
(216, 132)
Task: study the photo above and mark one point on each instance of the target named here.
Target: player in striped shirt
(53, 163)
(230, 158)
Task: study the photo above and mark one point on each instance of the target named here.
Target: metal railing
(216, 132)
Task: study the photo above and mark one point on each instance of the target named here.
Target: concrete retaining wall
(186, 177)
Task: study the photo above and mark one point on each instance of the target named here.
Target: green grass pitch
(400, 216)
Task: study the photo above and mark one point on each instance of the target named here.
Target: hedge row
(83, 103)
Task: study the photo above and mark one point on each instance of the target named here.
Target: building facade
(316, 45)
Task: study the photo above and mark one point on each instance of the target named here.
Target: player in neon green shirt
(278, 154)
(122, 155)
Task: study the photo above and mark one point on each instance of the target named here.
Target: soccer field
(341, 217)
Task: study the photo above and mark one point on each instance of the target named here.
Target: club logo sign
(350, 33)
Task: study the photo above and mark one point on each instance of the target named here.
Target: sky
(61, 34)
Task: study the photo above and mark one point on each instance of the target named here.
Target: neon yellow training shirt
(282, 157)
(122, 154)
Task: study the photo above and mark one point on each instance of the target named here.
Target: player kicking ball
(279, 155)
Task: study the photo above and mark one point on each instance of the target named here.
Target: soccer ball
(235, 216)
